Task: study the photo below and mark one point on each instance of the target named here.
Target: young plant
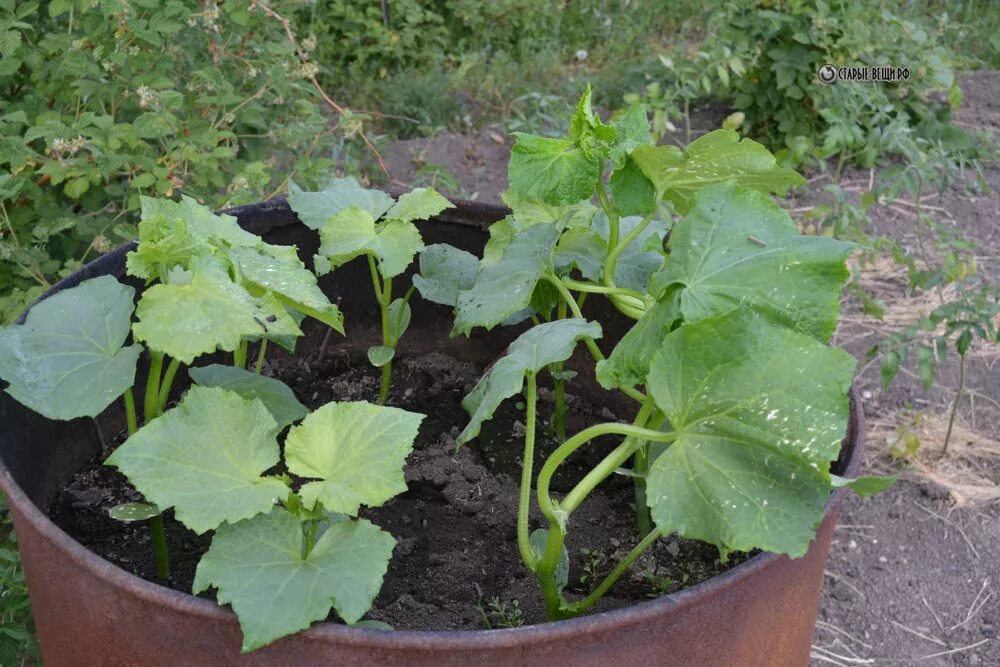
(741, 405)
(213, 457)
(353, 221)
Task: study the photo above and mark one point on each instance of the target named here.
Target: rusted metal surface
(89, 612)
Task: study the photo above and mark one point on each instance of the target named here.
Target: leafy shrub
(104, 102)
(784, 101)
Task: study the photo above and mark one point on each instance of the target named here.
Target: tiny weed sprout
(281, 557)
(741, 405)
(353, 221)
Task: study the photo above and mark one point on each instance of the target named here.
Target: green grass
(17, 639)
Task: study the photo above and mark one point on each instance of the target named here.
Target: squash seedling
(353, 221)
(741, 405)
(282, 558)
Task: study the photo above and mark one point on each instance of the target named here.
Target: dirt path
(914, 574)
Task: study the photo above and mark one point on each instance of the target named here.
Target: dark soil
(456, 564)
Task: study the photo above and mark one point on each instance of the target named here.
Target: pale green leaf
(206, 459)
(129, 512)
(259, 568)
(536, 348)
(279, 270)
(315, 208)
(419, 204)
(581, 249)
(444, 272)
(866, 485)
(631, 131)
(356, 450)
(628, 363)
(760, 412)
(737, 247)
(67, 360)
(539, 540)
(553, 171)
(380, 355)
(713, 158)
(276, 396)
(631, 191)
(399, 318)
(209, 313)
(352, 232)
(505, 287)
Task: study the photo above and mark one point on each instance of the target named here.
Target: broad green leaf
(419, 204)
(315, 208)
(356, 450)
(533, 350)
(866, 485)
(581, 249)
(628, 363)
(279, 270)
(352, 232)
(760, 412)
(528, 212)
(538, 539)
(380, 355)
(632, 192)
(737, 247)
(713, 158)
(208, 313)
(553, 171)
(259, 568)
(67, 360)
(631, 131)
(586, 127)
(206, 459)
(174, 233)
(129, 512)
(276, 396)
(505, 287)
(444, 272)
(640, 259)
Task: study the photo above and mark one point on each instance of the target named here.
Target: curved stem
(559, 387)
(609, 210)
(167, 384)
(151, 403)
(640, 466)
(524, 502)
(386, 381)
(240, 355)
(599, 473)
(611, 263)
(614, 575)
(593, 288)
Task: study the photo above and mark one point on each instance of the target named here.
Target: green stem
(954, 405)
(554, 607)
(151, 404)
(167, 384)
(524, 502)
(160, 554)
(383, 294)
(610, 463)
(259, 366)
(130, 419)
(240, 355)
(611, 262)
(613, 576)
(640, 466)
(609, 210)
(559, 388)
(593, 288)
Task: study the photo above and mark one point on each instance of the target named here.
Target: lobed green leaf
(275, 395)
